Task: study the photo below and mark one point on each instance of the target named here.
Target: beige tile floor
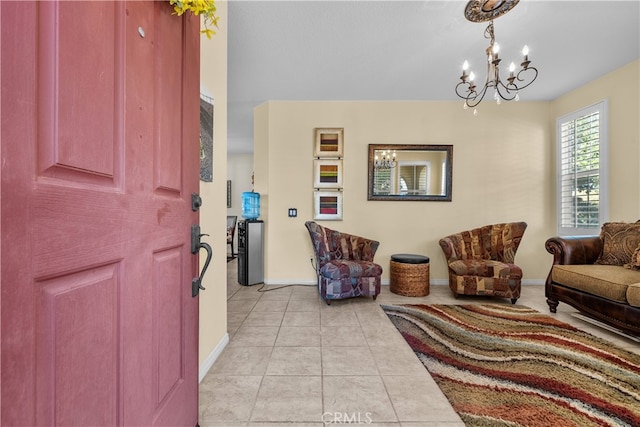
(294, 361)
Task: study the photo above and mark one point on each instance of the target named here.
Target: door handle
(196, 245)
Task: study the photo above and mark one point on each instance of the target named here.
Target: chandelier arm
(535, 76)
(472, 102)
(466, 86)
(472, 98)
(510, 89)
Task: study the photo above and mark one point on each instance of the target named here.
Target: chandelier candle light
(488, 10)
(387, 161)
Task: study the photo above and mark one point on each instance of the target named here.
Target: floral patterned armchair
(481, 261)
(344, 263)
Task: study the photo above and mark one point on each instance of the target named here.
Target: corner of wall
(213, 301)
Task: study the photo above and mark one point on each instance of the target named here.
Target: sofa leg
(328, 301)
(553, 305)
(513, 300)
(374, 297)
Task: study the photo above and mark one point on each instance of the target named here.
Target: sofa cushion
(340, 268)
(633, 294)
(635, 260)
(606, 281)
(620, 240)
(485, 268)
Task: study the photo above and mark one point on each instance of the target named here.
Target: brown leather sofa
(608, 293)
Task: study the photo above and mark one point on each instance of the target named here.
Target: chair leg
(513, 300)
(374, 297)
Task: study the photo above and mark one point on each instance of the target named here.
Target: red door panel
(99, 139)
(75, 383)
(167, 105)
(90, 49)
(80, 72)
(167, 322)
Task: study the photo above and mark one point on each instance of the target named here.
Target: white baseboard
(290, 282)
(213, 356)
(533, 281)
(385, 282)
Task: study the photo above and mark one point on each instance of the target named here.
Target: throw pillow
(635, 260)
(620, 240)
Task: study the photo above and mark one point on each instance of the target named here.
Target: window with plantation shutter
(414, 178)
(581, 139)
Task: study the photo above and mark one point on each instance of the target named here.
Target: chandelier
(508, 90)
(387, 160)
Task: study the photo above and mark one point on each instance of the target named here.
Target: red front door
(99, 139)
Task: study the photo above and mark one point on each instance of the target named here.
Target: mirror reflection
(410, 172)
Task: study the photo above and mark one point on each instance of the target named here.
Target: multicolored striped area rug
(511, 365)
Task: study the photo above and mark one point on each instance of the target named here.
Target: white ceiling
(410, 50)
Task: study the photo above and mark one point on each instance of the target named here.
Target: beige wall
(213, 301)
(262, 176)
(622, 90)
(239, 170)
(503, 170)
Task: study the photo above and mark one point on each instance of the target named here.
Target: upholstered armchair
(344, 263)
(481, 261)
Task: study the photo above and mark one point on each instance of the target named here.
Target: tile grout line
(395, 412)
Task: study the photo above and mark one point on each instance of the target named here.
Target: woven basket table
(409, 275)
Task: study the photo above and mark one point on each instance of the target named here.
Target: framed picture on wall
(206, 138)
(329, 142)
(327, 173)
(327, 205)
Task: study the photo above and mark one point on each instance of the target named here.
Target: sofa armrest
(374, 244)
(365, 249)
(447, 245)
(574, 250)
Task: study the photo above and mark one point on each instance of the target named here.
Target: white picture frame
(327, 205)
(327, 173)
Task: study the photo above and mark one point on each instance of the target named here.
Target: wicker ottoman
(409, 275)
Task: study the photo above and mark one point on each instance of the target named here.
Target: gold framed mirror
(410, 172)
